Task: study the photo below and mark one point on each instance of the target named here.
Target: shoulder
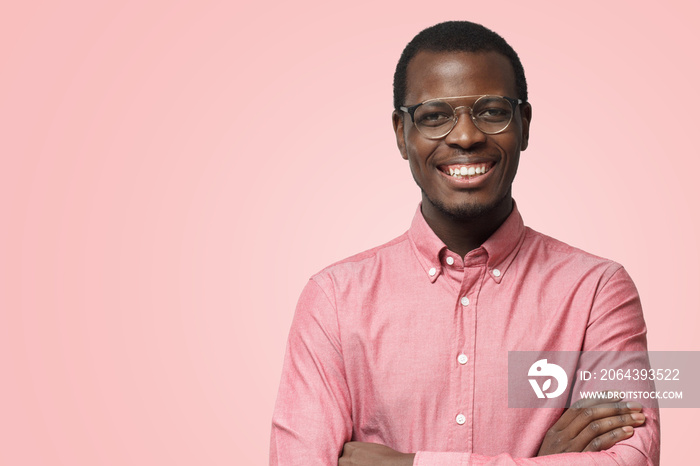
(389, 254)
(553, 254)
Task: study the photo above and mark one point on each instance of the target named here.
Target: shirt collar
(500, 248)
(427, 245)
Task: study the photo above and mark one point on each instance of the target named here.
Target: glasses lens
(434, 119)
(492, 114)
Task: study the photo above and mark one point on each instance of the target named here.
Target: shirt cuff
(429, 458)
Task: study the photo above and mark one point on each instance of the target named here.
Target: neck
(464, 234)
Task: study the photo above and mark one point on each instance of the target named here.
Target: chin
(467, 210)
(463, 212)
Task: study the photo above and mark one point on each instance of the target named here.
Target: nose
(465, 134)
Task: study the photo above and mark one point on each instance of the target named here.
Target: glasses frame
(412, 110)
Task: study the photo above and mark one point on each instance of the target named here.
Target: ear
(526, 117)
(397, 119)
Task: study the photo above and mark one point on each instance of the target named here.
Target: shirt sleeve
(564, 459)
(312, 416)
(616, 323)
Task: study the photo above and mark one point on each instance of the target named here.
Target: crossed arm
(588, 426)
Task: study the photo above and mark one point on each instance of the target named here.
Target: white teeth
(459, 172)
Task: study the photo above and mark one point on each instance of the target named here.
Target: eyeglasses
(435, 118)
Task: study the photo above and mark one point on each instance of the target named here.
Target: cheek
(509, 146)
(418, 165)
(510, 152)
(419, 150)
(512, 168)
(416, 168)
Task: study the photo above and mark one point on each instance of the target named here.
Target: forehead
(445, 74)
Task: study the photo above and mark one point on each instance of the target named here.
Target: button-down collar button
(464, 301)
(462, 359)
(496, 272)
(461, 419)
(432, 271)
(449, 260)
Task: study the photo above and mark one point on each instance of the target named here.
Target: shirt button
(432, 271)
(461, 419)
(496, 272)
(464, 301)
(450, 261)
(462, 359)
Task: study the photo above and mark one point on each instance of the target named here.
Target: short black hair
(456, 36)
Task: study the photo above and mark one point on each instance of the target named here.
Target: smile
(461, 171)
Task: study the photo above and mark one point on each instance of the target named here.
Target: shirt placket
(464, 350)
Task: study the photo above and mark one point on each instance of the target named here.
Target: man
(399, 355)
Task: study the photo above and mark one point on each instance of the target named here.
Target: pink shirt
(407, 345)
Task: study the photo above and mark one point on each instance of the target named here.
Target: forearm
(642, 448)
(619, 454)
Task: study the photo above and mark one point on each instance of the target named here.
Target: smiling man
(463, 150)
(399, 355)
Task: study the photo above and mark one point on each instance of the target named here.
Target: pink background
(173, 172)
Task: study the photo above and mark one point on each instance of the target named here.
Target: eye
(493, 114)
(433, 118)
(434, 114)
